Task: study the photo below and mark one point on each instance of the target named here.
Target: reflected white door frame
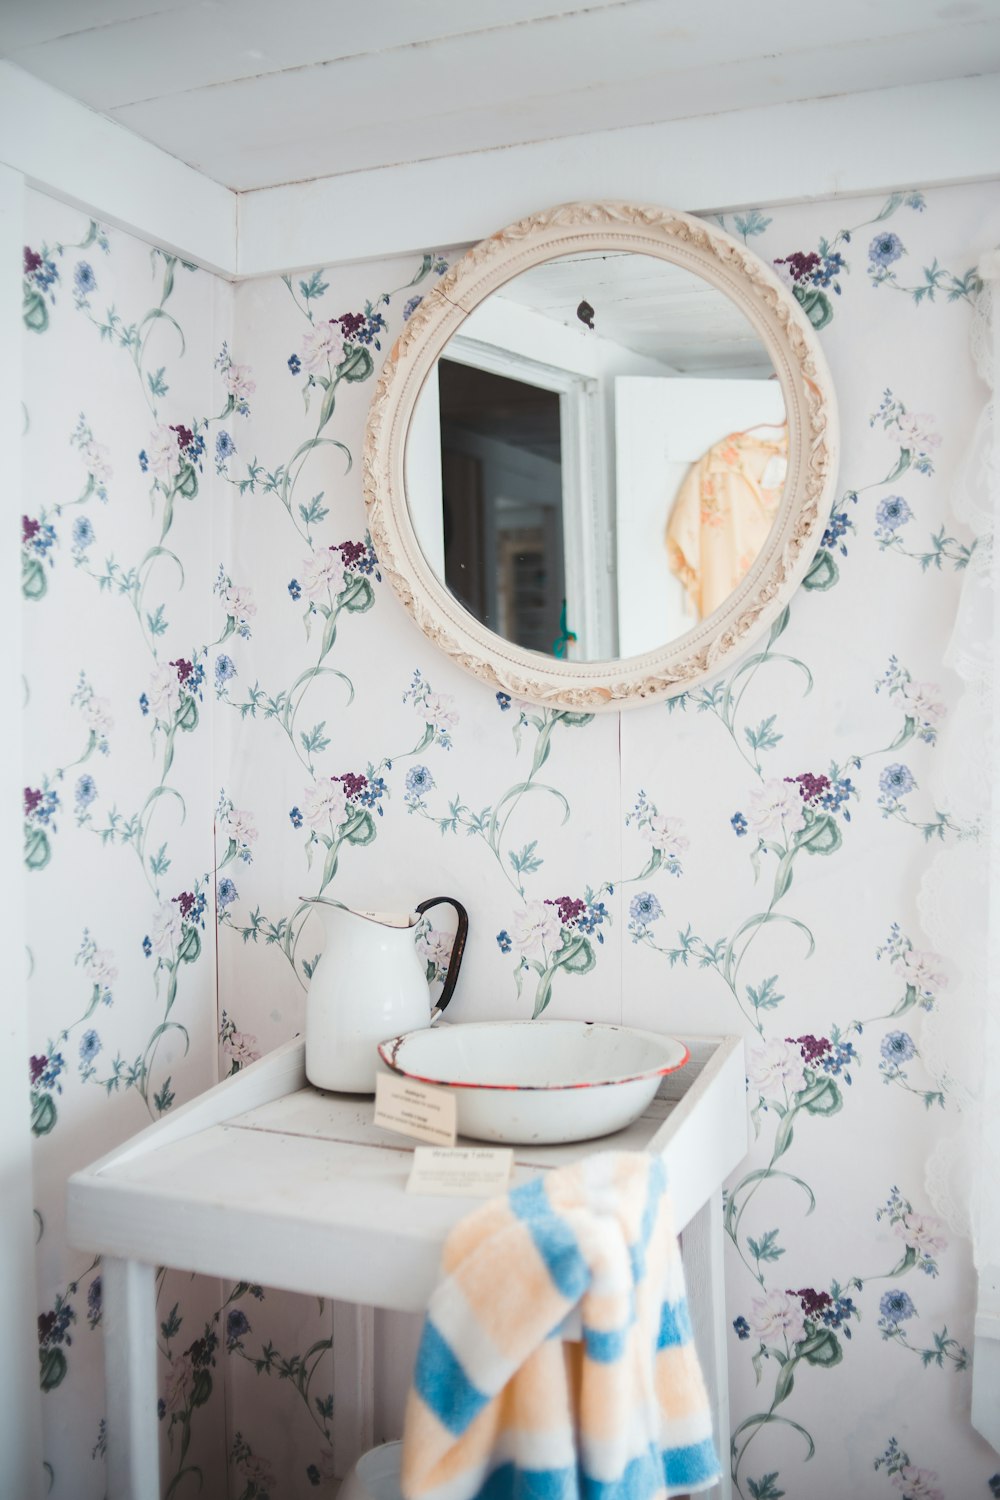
(585, 458)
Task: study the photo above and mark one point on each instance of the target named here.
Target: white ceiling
(259, 92)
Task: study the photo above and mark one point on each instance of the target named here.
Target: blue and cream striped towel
(501, 1407)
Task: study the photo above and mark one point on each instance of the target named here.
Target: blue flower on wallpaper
(84, 277)
(86, 791)
(294, 364)
(227, 892)
(419, 781)
(144, 461)
(894, 784)
(411, 308)
(742, 1327)
(739, 823)
(895, 1307)
(296, 817)
(237, 1326)
(892, 512)
(95, 1301)
(225, 671)
(147, 946)
(90, 1045)
(504, 701)
(295, 589)
(898, 1047)
(884, 249)
(224, 447)
(83, 533)
(644, 908)
(504, 941)
(46, 1071)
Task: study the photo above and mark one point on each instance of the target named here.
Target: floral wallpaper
(210, 646)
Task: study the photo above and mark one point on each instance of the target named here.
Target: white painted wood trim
(986, 1358)
(20, 1405)
(703, 1245)
(927, 133)
(95, 164)
(353, 1384)
(129, 1297)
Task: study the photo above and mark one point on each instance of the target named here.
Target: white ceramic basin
(538, 1082)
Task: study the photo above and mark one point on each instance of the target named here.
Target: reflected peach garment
(723, 511)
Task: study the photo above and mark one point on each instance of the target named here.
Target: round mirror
(598, 457)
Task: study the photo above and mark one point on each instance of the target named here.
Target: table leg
(702, 1242)
(129, 1317)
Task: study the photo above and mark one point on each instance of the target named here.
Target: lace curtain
(960, 892)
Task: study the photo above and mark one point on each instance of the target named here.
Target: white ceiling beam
(67, 150)
(927, 134)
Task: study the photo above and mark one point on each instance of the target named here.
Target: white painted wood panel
(151, 55)
(38, 21)
(101, 167)
(603, 70)
(941, 132)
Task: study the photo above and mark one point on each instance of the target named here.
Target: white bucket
(375, 1476)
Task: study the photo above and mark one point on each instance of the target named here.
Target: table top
(267, 1179)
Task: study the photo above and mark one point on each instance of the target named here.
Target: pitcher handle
(458, 948)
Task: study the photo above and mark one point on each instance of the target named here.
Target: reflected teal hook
(566, 635)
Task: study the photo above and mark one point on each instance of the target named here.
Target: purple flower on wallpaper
(898, 1047)
(884, 249)
(892, 512)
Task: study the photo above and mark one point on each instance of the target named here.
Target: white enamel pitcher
(369, 984)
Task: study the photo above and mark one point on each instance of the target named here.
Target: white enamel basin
(538, 1082)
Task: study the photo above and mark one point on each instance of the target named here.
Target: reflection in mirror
(598, 456)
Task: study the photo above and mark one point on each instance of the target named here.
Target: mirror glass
(597, 456)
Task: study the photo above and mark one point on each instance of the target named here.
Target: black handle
(458, 948)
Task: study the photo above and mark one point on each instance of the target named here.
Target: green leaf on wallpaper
(53, 1368)
(156, 622)
(357, 597)
(576, 956)
(187, 485)
(765, 1488)
(35, 312)
(767, 1247)
(360, 829)
(314, 287)
(157, 383)
(43, 1114)
(164, 1098)
(822, 1349)
(187, 715)
(37, 850)
(315, 741)
(329, 402)
(822, 1098)
(524, 862)
(823, 573)
(159, 864)
(780, 624)
(821, 837)
(315, 511)
(189, 947)
(763, 737)
(357, 366)
(172, 1326)
(815, 304)
(575, 721)
(767, 997)
(33, 580)
(201, 1388)
(158, 312)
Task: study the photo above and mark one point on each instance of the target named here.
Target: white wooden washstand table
(266, 1179)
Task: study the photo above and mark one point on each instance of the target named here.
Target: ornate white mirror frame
(785, 331)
